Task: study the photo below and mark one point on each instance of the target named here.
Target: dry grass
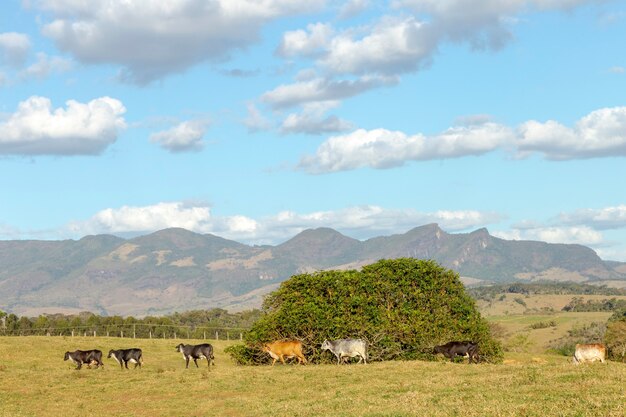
(34, 381)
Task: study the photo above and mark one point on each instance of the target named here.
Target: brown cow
(589, 353)
(282, 350)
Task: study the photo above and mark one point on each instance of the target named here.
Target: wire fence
(135, 331)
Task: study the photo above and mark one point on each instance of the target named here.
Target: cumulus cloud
(360, 222)
(391, 47)
(187, 136)
(151, 39)
(601, 133)
(80, 129)
(381, 148)
(321, 90)
(14, 48)
(305, 43)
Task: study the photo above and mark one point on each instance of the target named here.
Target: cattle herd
(343, 349)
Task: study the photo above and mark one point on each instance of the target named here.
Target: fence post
(227, 335)
(174, 335)
(85, 334)
(134, 331)
(240, 336)
(150, 334)
(94, 333)
(122, 333)
(205, 335)
(72, 332)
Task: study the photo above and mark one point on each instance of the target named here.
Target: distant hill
(177, 270)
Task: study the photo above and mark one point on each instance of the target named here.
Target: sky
(257, 119)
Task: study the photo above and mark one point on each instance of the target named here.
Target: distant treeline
(578, 304)
(192, 324)
(563, 288)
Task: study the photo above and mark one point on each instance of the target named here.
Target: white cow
(589, 353)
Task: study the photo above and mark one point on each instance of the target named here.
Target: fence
(137, 330)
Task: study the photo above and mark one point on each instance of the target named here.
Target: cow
(589, 353)
(286, 349)
(195, 352)
(347, 348)
(123, 356)
(89, 357)
(453, 349)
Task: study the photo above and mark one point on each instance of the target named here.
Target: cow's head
(67, 356)
(111, 352)
(438, 349)
(326, 345)
(180, 347)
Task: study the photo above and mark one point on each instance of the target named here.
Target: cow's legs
(187, 362)
(126, 364)
(196, 362)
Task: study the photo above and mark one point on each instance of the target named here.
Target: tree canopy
(402, 307)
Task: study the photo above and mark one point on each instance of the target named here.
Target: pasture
(35, 381)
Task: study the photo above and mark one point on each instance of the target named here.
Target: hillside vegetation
(178, 270)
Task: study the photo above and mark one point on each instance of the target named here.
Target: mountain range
(177, 270)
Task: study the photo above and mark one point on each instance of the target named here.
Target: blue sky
(255, 120)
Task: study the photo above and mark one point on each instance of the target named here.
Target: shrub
(402, 307)
(615, 336)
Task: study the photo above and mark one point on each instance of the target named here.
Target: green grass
(35, 381)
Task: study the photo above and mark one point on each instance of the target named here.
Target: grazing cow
(453, 349)
(347, 348)
(89, 357)
(195, 352)
(282, 350)
(589, 353)
(123, 356)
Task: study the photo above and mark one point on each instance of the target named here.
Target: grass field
(35, 381)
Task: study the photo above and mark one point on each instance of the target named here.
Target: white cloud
(555, 234)
(145, 219)
(151, 39)
(187, 136)
(617, 70)
(305, 43)
(381, 148)
(601, 133)
(81, 129)
(45, 66)
(393, 46)
(322, 89)
(312, 120)
(14, 48)
(599, 219)
(353, 7)
(359, 222)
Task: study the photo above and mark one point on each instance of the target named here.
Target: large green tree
(402, 307)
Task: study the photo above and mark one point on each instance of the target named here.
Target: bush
(615, 336)
(543, 325)
(402, 307)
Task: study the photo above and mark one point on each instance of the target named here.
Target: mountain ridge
(177, 269)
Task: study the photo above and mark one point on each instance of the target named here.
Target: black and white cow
(453, 349)
(123, 356)
(89, 357)
(195, 352)
(347, 348)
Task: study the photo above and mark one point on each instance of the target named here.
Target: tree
(402, 307)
